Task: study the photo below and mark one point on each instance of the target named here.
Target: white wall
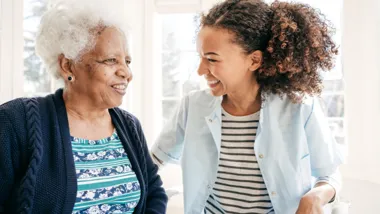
(361, 64)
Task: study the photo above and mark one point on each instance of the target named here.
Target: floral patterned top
(106, 181)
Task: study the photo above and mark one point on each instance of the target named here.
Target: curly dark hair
(295, 39)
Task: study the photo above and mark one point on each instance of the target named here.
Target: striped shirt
(239, 187)
(106, 181)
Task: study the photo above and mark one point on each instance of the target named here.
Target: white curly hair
(67, 28)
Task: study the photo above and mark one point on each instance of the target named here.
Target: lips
(212, 82)
(120, 88)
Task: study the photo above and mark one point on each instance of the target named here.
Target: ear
(65, 66)
(256, 59)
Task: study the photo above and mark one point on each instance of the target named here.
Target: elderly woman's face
(103, 74)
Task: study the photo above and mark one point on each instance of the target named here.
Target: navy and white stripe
(239, 187)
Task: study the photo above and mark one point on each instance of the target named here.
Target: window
(10, 50)
(174, 74)
(36, 79)
(179, 59)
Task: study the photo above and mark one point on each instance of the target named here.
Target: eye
(128, 61)
(211, 60)
(110, 61)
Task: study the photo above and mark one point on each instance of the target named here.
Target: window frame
(11, 51)
(153, 97)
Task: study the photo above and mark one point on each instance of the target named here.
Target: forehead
(215, 39)
(111, 41)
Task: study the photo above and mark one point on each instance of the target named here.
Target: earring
(70, 78)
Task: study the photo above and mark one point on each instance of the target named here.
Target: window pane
(178, 31)
(179, 68)
(168, 109)
(37, 80)
(337, 129)
(333, 85)
(334, 105)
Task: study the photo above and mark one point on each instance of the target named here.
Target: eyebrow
(110, 54)
(211, 53)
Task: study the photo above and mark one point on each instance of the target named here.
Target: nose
(202, 68)
(125, 73)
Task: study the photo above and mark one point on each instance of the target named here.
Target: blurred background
(164, 67)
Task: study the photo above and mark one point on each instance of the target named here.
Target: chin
(217, 93)
(114, 103)
(117, 104)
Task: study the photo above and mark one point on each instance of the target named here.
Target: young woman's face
(223, 63)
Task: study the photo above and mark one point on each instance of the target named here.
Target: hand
(310, 204)
(316, 198)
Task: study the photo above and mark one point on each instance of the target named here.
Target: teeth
(121, 87)
(213, 82)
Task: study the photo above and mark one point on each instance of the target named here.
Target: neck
(244, 101)
(82, 108)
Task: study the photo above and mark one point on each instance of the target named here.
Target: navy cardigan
(37, 171)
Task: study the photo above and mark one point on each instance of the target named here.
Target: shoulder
(201, 96)
(285, 102)
(128, 118)
(13, 110)
(201, 102)
(16, 110)
(125, 114)
(13, 105)
(13, 122)
(284, 107)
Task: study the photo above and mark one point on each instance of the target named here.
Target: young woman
(257, 140)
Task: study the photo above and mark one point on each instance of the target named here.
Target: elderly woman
(74, 151)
